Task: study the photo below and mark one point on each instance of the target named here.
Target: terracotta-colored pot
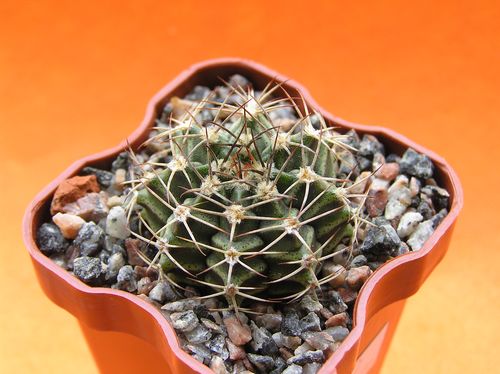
(128, 335)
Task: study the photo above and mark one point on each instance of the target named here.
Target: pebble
(361, 183)
(69, 224)
(126, 279)
(336, 303)
(115, 262)
(262, 341)
(340, 319)
(104, 177)
(217, 365)
(376, 202)
(133, 247)
(388, 171)
(377, 161)
(351, 139)
(71, 190)
(329, 269)
(200, 334)
(436, 220)
(145, 285)
(114, 201)
(380, 241)
(50, 239)
(356, 277)
(426, 209)
(263, 363)
(211, 325)
(162, 292)
(347, 295)
(121, 162)
(310, 305)
(202, 352)
(338, 333)
(235, 352)
(311, 368)
(364, 164)
(304, 347)
(399, 199)
(270, 321)
(318, 340)
(423, 231)
(291, 342)
(408, 224)
(91, 207)
(90, 238)
(239, 82)
(379, 184)
(184, 321)
(238, 333)
(416, 164)
(87, 269)
(414, 186)
(279, 366)
(291, 324)
(439, 196)
(310, 322)
(358, 261)
(116, 223)
(119, 178)
(285, 353)
(307, 357)
(370, 145)
(180, 306)
(292, 369)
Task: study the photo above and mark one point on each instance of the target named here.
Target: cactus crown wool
(241, 204)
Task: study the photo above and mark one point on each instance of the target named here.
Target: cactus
(243, 207)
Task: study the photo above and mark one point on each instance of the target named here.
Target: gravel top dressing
(248, 223)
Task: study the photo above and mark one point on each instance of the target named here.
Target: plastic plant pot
(127, 334)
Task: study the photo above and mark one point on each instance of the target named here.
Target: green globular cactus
(241, 206)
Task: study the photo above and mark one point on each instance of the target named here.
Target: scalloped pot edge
(379, 303)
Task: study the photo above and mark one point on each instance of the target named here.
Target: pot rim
(360, 313)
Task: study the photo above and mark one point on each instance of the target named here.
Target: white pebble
(421, 234)
(409, 223)
(116, 223)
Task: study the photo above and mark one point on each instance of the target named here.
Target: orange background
(75, 79)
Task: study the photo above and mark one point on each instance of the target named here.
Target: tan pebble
(114, 201)
(238, 333)
(348, 295)
(119, 179)
(69, 224)
(414, 186)
(325, 313)
(133, 247)
(356, 277)
(71, 190)
(376, 202)
(337, 320)
(330, 269)
(388, 171)
(217, 365)
(235, 352)
(285, 353)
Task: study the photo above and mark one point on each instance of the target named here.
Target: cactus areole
(243, 208)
